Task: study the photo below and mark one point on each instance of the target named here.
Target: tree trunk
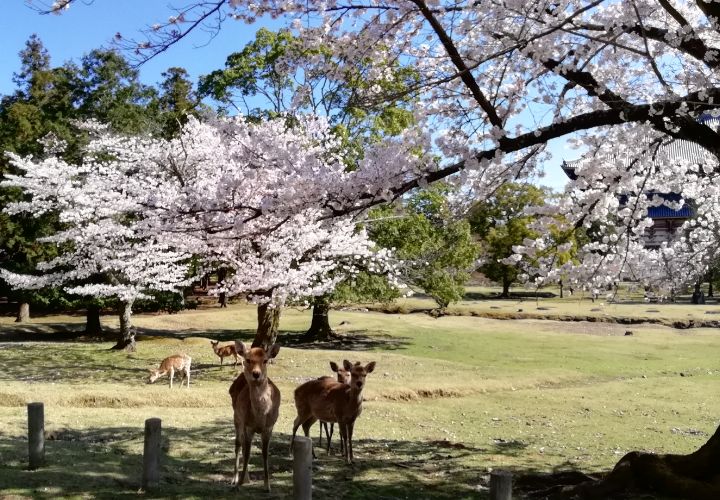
(695, 476)
(126, 336)
(23, 314)
(698, 297)
(506, 288)
(268, 322)
(222, 274)
(711, 277)
(560, 283)
(320, 324)
(93, 327)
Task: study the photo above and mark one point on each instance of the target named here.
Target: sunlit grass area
(451, 398)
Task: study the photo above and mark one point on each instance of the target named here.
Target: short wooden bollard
(500, 485)
(36, 435)
(151, 453)
(302, 468)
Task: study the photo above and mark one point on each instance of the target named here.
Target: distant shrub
(168, 302)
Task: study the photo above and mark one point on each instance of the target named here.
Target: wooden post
(151, 453)
(302, 468)
(36, 435)
(500, 485)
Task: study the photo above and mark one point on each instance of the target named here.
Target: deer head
(358, 373)
(343, 375)
(154, 375)
(255, 360)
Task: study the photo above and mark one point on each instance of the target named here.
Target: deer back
(324, 398)
(178, 361)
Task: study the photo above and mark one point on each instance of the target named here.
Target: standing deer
(332, 401)
(178, 363)
(343, 376)
(256, 405)
(225, 351)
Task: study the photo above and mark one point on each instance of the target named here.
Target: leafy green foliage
(253, 72)
(177, 101)
(275, 74)
(500, 223)
(438, 251)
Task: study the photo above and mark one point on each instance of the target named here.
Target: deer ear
(333, 366)
(240, 348)
(347, 365)
(370, 367)
(273, 350)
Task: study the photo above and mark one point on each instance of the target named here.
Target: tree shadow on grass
(198, 462)
(30, 362)
(45, 332)
(356, 340)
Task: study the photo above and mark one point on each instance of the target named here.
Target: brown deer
(256, 405)
(332, 401)
(225, 351)
(178, 363)
(343, 376)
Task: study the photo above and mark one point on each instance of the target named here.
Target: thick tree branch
(464, 72)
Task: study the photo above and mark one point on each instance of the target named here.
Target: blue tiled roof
(664, 212)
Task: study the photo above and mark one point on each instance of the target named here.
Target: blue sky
(85, 27)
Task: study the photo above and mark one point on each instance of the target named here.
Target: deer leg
(187, 373)
(236, 476)
(266, 435)
(323, 425)
(247, 440)
(348, 442)
(296, 424)
(329, 434)
(343, 437)
(172, 375)
(306, 429)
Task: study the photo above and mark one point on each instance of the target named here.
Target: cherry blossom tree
(615, 217)
(102, 251)
(265, 199)
(497, 80)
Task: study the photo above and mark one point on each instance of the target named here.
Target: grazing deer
(178, 363)
(256, 405)
(343, 376)
(332, 401)
(225, 351)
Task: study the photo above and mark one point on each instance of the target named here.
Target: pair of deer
(180, 364)
(256, 405)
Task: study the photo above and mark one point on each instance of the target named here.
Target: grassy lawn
(450, 399)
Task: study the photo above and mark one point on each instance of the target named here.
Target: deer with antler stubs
(256, 405)
(343, 376)
(332, 401)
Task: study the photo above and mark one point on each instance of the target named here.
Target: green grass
(451, 398)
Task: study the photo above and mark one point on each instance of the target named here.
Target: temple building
(666, 220)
